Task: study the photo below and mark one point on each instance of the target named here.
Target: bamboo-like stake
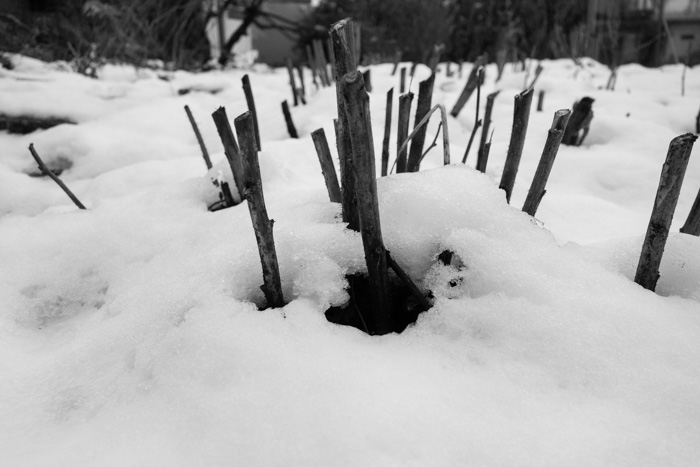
(291, 129)
(253, 192)
(544, 168)
(387, 131)
(53, 177)
(195, 128)
(670, 184)
(692, 223)
(356, 104)
(343, 64)
(250, 101)
(327, 167)
(521, 117)
(425, 99)
(402, 133)
(292, 81)
(470, 87)
(540, 100)
(482, 157)
(231, 150)
(402, 80)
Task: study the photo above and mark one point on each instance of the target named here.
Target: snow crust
(130, 335)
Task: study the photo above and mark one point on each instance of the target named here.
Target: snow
(130, 335)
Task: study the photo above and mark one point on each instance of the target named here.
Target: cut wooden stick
(253, 192)
(387, 131)
(471, 140)
(202, 147)
(53, 177)
(402, 132)
(425, 99)
(231, 150)
(343, 64)
(302, 84)
(250, 101)
(292, 81)
(408, 282)
(544, 168)
(291, 129)
(327, 167)
(360, 130)
(692, 223)
(670, 184)
(470, 87)
(481, 156)
(521, 117)
(540, 100)
(445, 133)
(402, 81)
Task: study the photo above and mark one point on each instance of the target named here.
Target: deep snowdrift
(129, 333)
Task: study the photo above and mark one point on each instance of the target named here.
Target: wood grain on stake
(670, 184)
(521, 117)
(253, 192)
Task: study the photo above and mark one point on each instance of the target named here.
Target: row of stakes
(379, 302)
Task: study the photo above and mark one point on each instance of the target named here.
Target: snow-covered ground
(129, 333)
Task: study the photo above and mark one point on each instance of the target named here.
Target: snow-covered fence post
(670, 184)
(692, 223)
(551, 147)
(327, 167)
(521, 117)
(198, 135)
(291, 129)
(472, 83)
(253, 193)
(231, 150)
(53, 177)
(482, 156)
(402, 131)
(425, 99)
(250, 101)
(387, 131)
(343, 64)
(359, 129)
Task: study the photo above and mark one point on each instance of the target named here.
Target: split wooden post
(482, 157)
(233, 155)
(343, 64)
(253, 193)
(327, 167)
(356, 104)
(670, 184)
(540, 100)
(544, 168)
(472, 83)
(692, 223)
(53, 177)
(402, 132)
(425, 100)
(387, 131)
(250, 101)
(291, 129)
(521, 117)
(198, 135)
(402, 80)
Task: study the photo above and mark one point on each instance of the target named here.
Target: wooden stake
(544, 168)
(672, 175)
(291, 129)
(53, 177)
(402, 80)
(253, 192)
(343, 64)
(540, 100)
(292, 82)
(692, 223)
(233, 155)
(482, 157)
(360, 130)
(202, 147)
(471, 140)
(387, 131)
(472, 83)
(248, 91)
(367, 77)
(521, 117)
(327, 167)
(397, 59)
(402, 133)
(425, 99)
(302, 84)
